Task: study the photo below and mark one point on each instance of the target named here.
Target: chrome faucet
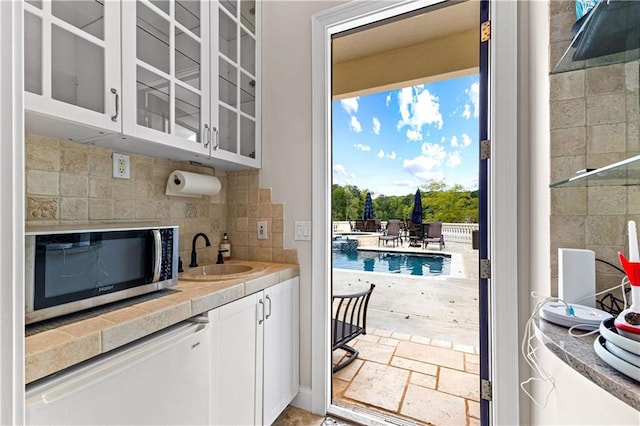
(194, 262)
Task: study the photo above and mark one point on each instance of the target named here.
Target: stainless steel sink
(214, 272)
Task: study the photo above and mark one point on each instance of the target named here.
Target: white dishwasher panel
(163, 380)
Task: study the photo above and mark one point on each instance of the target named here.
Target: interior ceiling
(457, 17)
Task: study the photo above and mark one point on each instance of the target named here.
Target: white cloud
(404, 183)
(418, 107)
(414, 135)
(422, 166)
(473, 93)
(454, 159)
(466, 140)
(355, 125)
(434, 151)
(390, 155)
(376, 125)
(454, 141)
(388, 99)
(339, 169)
(350, 105)
(467, 111)
(362, 147)
(443, 139)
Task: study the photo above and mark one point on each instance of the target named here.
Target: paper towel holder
(178, 177)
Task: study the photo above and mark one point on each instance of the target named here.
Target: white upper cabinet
(72, 65)
(165, 73)
(173, 79)
(238, 69)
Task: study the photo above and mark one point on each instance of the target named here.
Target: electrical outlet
(262, 230)
(120, 166)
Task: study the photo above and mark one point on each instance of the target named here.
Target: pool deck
(440, 307)
(418, 362)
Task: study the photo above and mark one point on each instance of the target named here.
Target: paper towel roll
(187, 184)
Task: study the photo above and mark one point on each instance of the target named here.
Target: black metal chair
(349, 321)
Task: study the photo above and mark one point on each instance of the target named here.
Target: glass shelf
(622, 173)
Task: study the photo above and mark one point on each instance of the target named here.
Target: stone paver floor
(416, 379)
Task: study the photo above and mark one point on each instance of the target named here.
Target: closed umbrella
(367, 214)
(416, 214)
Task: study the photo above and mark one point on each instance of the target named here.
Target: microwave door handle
(157, 261)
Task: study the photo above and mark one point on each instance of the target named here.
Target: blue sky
(391, 142)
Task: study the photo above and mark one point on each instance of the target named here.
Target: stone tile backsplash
(71, 183)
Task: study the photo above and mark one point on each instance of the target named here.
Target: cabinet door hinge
(486, 390)
(485, 149)
(485, 31)
(485, 268)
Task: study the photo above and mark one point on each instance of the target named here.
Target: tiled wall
(72, 183)
(595, 118)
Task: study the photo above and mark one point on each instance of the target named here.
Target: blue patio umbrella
(416, 214)
(367, 214)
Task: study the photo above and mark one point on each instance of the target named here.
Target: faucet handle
(220, 260)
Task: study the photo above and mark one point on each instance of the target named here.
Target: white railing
(454, 232)
(459, 232)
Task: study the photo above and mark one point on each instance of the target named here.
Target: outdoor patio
(419, 361)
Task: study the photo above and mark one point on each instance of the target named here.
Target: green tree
(439, 203)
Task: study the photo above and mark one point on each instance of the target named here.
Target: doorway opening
(419, 360)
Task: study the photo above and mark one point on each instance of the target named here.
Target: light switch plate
(303, 231)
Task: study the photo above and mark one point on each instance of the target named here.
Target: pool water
(395, 263)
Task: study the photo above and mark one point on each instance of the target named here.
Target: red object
(622, 325)
(631, 268)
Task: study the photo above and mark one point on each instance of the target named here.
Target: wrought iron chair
(349, 321)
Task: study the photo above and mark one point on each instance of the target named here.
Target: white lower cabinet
(255, 359)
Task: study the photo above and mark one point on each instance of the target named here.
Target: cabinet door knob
(115, 117)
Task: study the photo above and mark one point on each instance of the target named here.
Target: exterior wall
(595, 121)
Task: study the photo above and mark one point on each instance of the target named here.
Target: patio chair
(349, 321)
(360, 225)
(433, 234)
(392, 234)
(372, 225)
(415, 234)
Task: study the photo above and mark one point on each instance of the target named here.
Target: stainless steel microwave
(68, 270)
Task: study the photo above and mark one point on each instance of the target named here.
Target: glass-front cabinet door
(238, 75)
(72, 61)
(165, 57)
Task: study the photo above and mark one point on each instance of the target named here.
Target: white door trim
(11, 216)
(503, 86)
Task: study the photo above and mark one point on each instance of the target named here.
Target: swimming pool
(395, 263)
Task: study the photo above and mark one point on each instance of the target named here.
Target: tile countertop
(578, 353)
(54, 345)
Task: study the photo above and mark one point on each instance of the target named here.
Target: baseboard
(303, 399)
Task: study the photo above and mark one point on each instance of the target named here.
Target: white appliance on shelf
(159, 380)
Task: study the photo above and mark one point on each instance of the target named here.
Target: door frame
(503, 85)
